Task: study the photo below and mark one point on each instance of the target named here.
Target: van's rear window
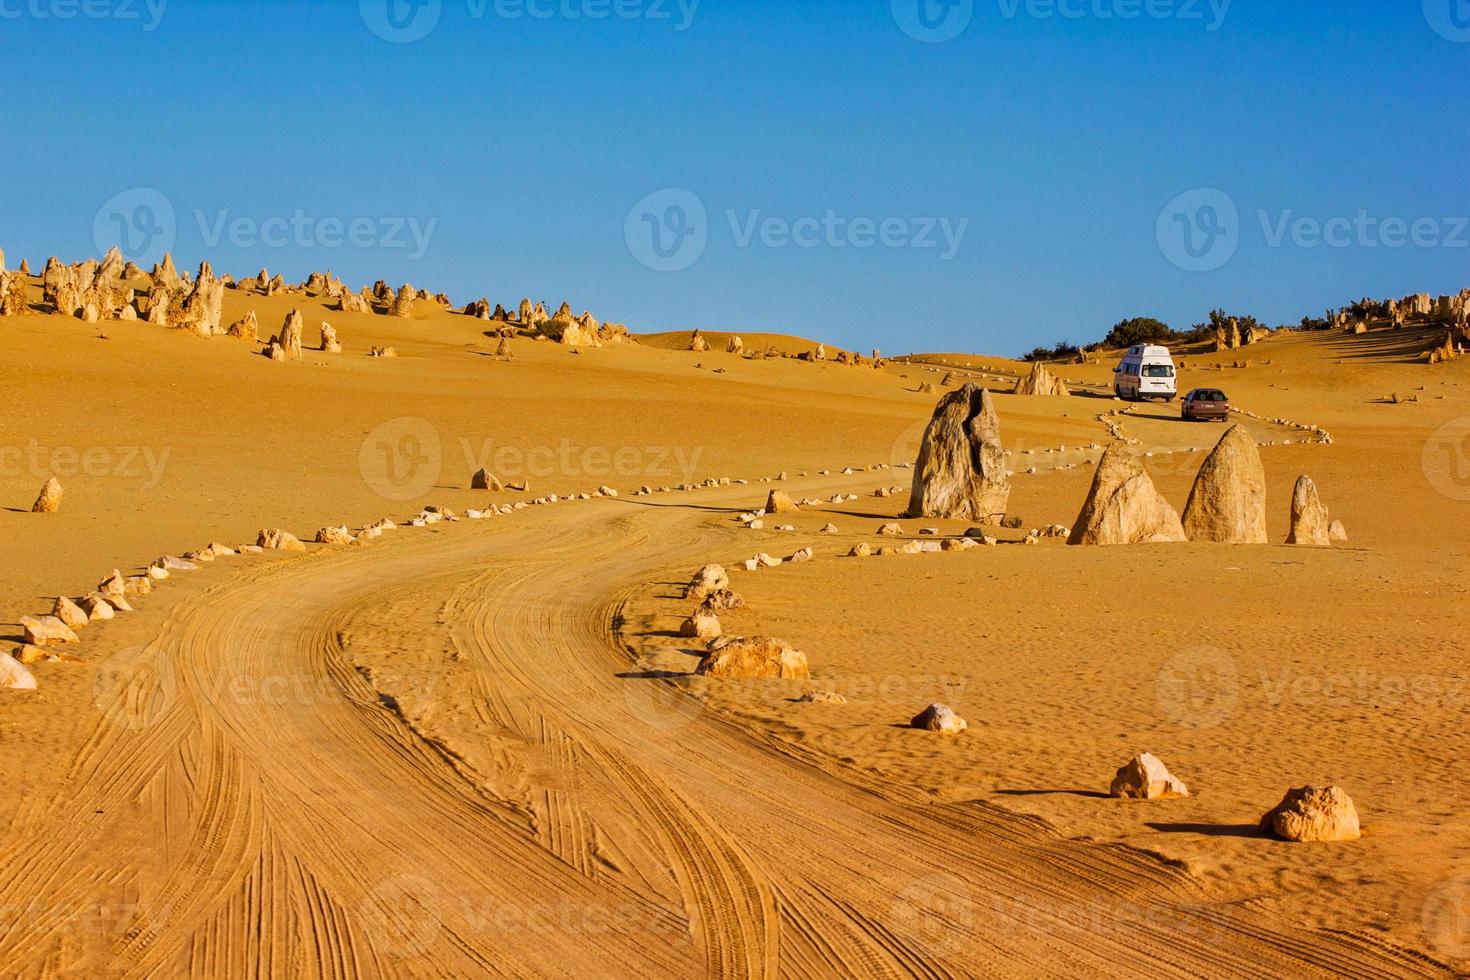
(1158, 371)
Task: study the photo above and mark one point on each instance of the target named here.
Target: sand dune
(477, 748)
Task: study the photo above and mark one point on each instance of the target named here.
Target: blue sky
(1029, 180)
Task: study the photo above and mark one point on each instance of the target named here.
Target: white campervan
(1146, 372)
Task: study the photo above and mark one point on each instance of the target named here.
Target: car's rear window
(1158, 371)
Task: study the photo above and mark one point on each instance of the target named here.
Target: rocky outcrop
(569, 333)
(735, 346)
(1123, 506)
(63, 287)
(780, 502)
(49, 501)
(44, 631)
(939, 718)
(14, 299)
(290, 336)
(203, 307)
(113, 588)
(350, 302)
(112, 264)
(1447, 350)
(403, 303)
(960, 472)
(759, 656)
(485, 480)
(697, 343)
(1310, 522)
(70, 613)
(14, 676)
(246, 328)
(1146, 778)
(96, 607)
(275, 539)
(165, 274)
(1040, 381)
(329, 343)
(1228, 501)
(334, 535)
(722, 599)
(160, 301)
(702, 625)
(708, 581)
(1314, 813)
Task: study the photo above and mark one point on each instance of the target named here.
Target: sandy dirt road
(429, 756)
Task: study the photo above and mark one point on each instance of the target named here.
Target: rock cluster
(1040, 381)
(349, 302)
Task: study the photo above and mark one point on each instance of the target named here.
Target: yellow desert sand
(464, 735)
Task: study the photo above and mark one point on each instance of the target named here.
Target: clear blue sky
(528, 141)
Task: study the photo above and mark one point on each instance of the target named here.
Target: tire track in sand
(326, 834)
